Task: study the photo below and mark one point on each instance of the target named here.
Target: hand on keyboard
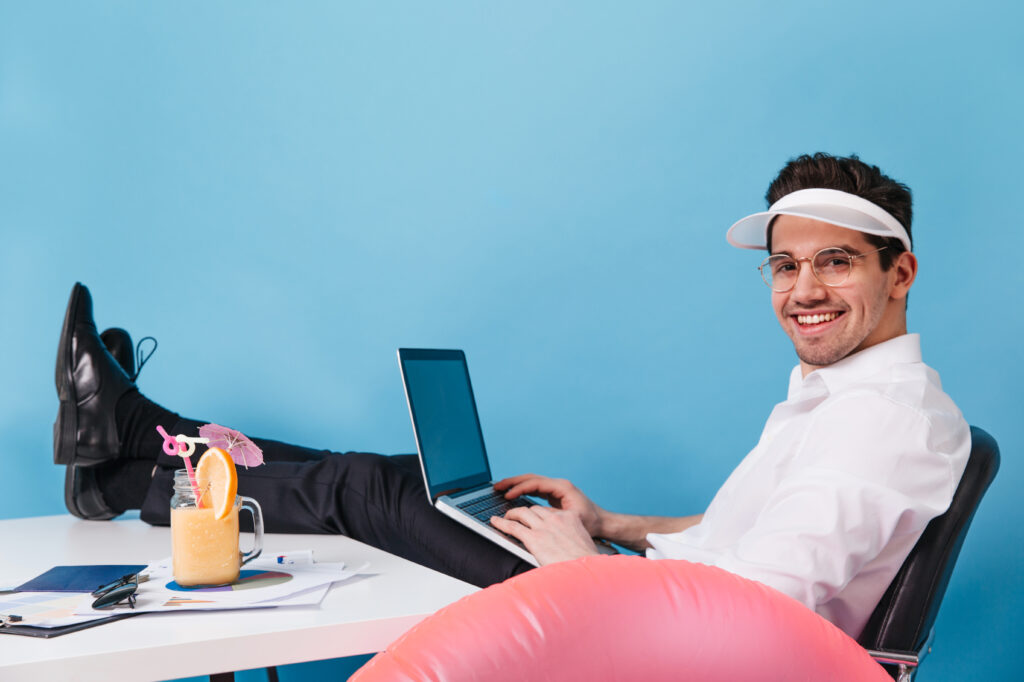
(560, 494)
(551, 535)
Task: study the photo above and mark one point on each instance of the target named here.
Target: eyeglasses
(831, 266)
(113, 593)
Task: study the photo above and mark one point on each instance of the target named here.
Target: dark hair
(848, 174)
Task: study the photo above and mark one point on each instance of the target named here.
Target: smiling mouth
(817, 318)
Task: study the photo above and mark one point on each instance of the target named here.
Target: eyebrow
(852, 250)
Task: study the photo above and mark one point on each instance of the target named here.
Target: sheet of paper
(46, 609)
(263, 583)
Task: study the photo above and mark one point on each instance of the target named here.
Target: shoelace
(141, 360)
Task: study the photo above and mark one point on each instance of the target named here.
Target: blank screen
(446, 420)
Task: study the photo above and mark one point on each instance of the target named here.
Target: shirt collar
(905, 348)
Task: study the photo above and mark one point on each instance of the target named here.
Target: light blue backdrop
(285, 193)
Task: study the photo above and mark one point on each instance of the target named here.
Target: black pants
(376, 499)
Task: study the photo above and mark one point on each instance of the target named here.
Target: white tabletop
(360, 616)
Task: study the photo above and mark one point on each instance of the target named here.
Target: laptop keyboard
(494, 504)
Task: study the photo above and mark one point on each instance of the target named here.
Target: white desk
(356, 617)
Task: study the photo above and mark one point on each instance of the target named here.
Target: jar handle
(253, 507)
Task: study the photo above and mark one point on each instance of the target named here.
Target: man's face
(826, 324)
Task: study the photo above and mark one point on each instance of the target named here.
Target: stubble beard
(830, 349)
(825, 354)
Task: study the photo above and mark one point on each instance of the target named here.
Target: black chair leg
(230, 677)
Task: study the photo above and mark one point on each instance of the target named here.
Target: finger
(538, 485)
(513, 480)
(527, 516)
(540, 511)
(516, 530)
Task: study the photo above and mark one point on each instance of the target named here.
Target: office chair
(900, 630)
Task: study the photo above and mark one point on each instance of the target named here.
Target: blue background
(285, 193)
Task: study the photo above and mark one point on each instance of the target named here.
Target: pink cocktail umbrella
(242, 450)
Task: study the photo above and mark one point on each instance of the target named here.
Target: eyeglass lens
(831, 266)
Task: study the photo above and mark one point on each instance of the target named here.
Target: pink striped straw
(182, 448)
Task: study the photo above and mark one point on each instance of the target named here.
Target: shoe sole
(65, 429)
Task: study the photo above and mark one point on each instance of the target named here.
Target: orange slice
(215, 473)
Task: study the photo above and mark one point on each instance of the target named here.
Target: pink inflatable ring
(625, 618)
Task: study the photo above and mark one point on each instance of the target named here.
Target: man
(848, 471)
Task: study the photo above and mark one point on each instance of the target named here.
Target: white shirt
(848, 472)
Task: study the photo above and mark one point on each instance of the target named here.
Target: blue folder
(78, 578)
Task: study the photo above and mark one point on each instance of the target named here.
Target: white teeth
(816, 319)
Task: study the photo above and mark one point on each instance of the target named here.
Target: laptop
(451, 444)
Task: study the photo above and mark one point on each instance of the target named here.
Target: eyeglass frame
(810, 259)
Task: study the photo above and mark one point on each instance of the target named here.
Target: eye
(783, 266)
(833, 259)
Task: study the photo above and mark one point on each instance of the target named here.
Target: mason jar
(204, 549)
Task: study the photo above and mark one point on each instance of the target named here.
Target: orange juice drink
(204, 549)
(204, 523)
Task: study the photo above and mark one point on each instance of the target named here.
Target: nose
(808, 287)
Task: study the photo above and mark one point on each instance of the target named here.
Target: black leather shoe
(82, 495)
(89, 383)
(119, 343)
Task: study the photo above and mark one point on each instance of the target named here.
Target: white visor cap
(827, 205)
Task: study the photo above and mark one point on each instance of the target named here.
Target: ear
(903, 273)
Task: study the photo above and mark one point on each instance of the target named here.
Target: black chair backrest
(903, 620)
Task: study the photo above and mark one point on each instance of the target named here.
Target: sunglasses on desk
(118, 591)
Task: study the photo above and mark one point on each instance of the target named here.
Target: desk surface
(360, 616)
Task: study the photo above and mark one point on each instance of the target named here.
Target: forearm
(630, 530)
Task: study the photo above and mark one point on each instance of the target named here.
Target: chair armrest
(907, 658)
(905, 661)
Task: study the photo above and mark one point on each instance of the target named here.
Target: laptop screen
(445, 419)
